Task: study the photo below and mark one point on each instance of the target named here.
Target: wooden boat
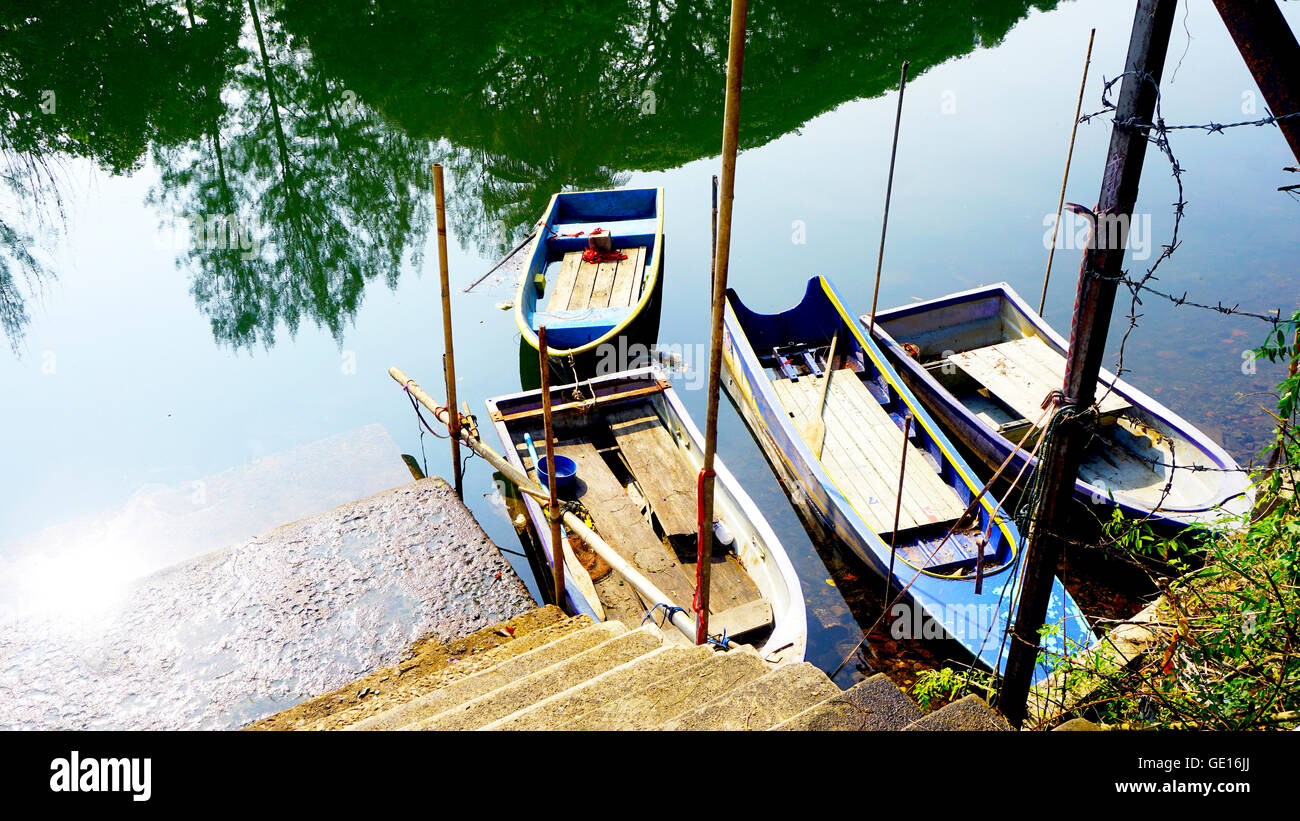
(776, 367)
(639, 455)
(983, 362)
(586, 303)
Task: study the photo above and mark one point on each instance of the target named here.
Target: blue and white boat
(588, 299)
(958, 571)
(982, 361)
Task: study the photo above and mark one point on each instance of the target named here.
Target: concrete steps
(762, 703)
(559, 711)
(466, 689)
(558, 678)
(875, 703)
(551, 672)
(964, 714)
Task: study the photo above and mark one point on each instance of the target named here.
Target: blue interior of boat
(810, 326)
(632, 218)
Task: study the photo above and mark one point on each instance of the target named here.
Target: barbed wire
(1159, 136)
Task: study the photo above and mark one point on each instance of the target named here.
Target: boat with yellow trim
(955, 553)
(595, 269)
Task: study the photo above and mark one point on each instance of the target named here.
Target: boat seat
(582, 286)
(862, 451)
(1021, 373)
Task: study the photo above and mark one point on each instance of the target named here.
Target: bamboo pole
(553, 515)
(721, 258)
(576, 526)
(889, 192)
(898, 505)
(1069, 155)
(448, 358)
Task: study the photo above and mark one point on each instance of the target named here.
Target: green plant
(935, 688)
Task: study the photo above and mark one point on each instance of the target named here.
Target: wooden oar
(814, 432)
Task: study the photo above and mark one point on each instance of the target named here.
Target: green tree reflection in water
(299, 196)
(296, 135)
(540, 98)
(101, 86)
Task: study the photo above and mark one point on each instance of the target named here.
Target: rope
(701, 544)
(1023, 517)
(669, 610)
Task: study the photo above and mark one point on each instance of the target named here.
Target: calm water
(300, 149)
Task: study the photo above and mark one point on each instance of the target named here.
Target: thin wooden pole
(448, 358)
(553, 514)
(1099, 277)
(1069, 155)
(721, 258)
(898, 504)
(713, 249)
(889, 192)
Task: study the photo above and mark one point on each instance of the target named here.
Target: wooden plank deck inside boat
(640, 491)
(1021, 373)
(581, 286)
(862, 452)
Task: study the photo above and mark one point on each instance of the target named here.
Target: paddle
(501, 262)
(814, 432)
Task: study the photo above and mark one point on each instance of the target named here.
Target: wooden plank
(862, 452)
(924, 492)
(564, 281)
(742, 619)
(627, 280)
(603, 284)
(657, 387)
(582, 286)
(729, 584)
(619, 522)
(844, 466)
(1021, 372)
(652, 454)
(879, 441)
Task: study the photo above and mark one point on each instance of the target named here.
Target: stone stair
(545, 671)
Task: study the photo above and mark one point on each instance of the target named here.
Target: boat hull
(1232, 500)
(634, 217)
(978, 621)
(758, 549)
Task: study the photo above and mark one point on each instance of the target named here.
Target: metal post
(889, 192)
(730, 141)
(713, 248)
(1098, 280)
(553, 512)
(449, 358)
(1271, 53)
